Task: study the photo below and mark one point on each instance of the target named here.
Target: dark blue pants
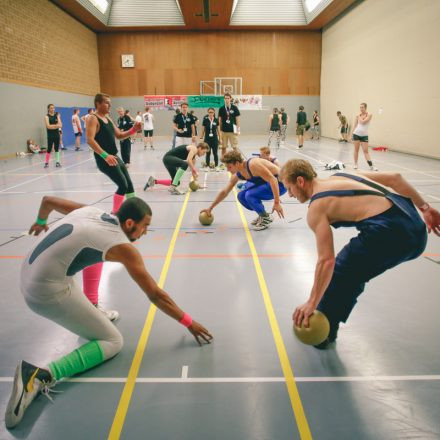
(251, 196)
(385, 241)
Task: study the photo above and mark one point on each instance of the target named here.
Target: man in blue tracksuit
(262, 184)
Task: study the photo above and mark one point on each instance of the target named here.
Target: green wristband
(41, 221)
(104, 154)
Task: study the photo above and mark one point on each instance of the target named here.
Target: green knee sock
(180, 172)
(57, 156)
(130, 195)
(83, 358)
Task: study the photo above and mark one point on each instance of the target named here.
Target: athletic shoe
(151, 147)
(112, 315)
(58, 165)
(175, 191)
(216, 169)
(255, 221)
(263, 223)
(145, 146)
(372, 168)
(206, 169)
(222, 166)
(299, 147)
(78, 149)
(29, 380)
(150, 183)
(127, 165)
(63, 148)
(355, 167)
(46, 165)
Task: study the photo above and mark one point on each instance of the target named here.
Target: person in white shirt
(77, 129)
(148, 119)
(360, 136)
(138, 134)
(85, 236)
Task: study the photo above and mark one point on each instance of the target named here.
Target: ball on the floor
(317, 332)
(193, 185)
(205, 219)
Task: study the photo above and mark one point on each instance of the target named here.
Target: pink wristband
(132, 131)
(186, 320)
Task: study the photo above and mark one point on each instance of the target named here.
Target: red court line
(213, 256)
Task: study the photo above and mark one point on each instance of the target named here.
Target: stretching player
(85, 236)
(176, 161)
(262, 183)
(390, 232)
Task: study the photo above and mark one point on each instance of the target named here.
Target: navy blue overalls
(256, 190)
(385, 240)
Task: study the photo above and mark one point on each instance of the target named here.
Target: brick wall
(42, 46)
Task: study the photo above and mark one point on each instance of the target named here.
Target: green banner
(205, 101)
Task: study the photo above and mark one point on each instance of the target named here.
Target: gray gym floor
(380, 381)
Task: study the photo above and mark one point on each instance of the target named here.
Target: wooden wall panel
(270, 62)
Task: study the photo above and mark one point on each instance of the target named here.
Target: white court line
(185, 379)
(184, 372)
(42, 177)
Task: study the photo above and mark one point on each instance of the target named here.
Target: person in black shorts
(176, 161)
(301, 121)
(53, 126)
(101, 132)
(125, 123)
(211, 135)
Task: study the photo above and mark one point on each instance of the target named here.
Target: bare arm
(270, 121)
(127, 133)
(223, 193)
(320, 225)
(365, 120)
(130, 257)
(50, 126)
(220, 124)
(60, 124)
(49, 204)
(403, 187)
(190, 158)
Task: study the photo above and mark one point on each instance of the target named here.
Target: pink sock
(117, 202)
(91, 277)
(166, 182)
(47, 157)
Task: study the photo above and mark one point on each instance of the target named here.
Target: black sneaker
(46, 165)
(58, 165)
(150, 183)
(29, 380)
(330, 339)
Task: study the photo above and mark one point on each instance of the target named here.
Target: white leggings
(72, 310)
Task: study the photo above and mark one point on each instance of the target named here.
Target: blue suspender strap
(403, 203)
(346, 193)
(247, 167)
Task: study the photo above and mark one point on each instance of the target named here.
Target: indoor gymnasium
(220, 219)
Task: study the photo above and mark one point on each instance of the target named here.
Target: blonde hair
(294, 168)
(265, 150)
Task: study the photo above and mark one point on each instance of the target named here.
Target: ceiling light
(100, 5)
(312, 4)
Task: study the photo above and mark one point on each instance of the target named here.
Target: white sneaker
(112, 315)
(372, 168)
(206, 169)
(29, 380)
(175, 191)
(256, 221)
(355, 167)
(262, 224)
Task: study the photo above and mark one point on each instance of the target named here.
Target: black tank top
(180, 152)
(284, 118)
(275, 123)
(53, 119)
(105, 137)
(315, 119)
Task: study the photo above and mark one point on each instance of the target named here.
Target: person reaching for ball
(391, 232)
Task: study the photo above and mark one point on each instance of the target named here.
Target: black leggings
(125, 150)
(118, 174)
(213, 146)
(53, 140)
(172, 164)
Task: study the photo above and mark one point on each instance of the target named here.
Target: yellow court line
(295, 400)
(124, 402)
